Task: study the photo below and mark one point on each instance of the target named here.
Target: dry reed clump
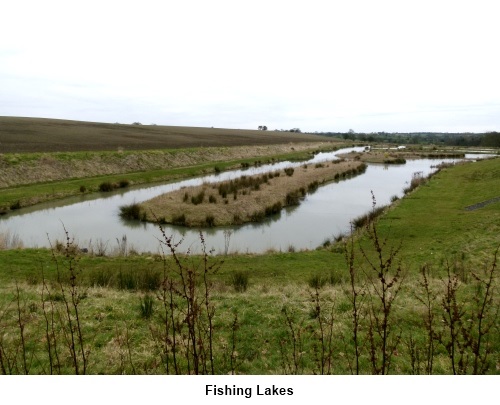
(247, 199)
(9, 240)
(417, 180)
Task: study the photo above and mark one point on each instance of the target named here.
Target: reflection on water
(321, 215)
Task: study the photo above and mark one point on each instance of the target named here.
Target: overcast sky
(370, 65)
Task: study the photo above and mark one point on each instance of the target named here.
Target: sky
(369, 66)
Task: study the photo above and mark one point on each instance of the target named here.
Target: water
(326, 213)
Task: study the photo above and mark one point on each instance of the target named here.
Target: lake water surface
(326, 213)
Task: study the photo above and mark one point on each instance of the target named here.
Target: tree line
(487, 139)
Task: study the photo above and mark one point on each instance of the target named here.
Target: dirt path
(482, 204)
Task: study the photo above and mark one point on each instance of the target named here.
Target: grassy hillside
(21, 135)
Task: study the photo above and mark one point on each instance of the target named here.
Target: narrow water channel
(326, 213)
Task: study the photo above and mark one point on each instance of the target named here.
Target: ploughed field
(22, 135)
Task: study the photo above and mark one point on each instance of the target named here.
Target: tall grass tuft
(131, 212)
(123, 183)
(198, 198)
(240, 281)
(210, 221)
(179, 220)
(16, 205)
(364, 220)
(417, 180)
(317, 281)
(273, 209)
(146, 306)
(106, 186)
(9, 240)
(293, 197)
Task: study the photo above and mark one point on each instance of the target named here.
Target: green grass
(432, 223)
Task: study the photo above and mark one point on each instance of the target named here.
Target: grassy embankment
(234, 202)
(275, 313)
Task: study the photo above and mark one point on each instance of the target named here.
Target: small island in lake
(242, 200)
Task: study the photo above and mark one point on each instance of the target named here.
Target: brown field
(22, 135)
(251, 203)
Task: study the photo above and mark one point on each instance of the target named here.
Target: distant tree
(349, 135)
(262, 128)
(136, 123)
(491, 139)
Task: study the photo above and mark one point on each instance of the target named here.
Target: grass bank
(434, 223)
